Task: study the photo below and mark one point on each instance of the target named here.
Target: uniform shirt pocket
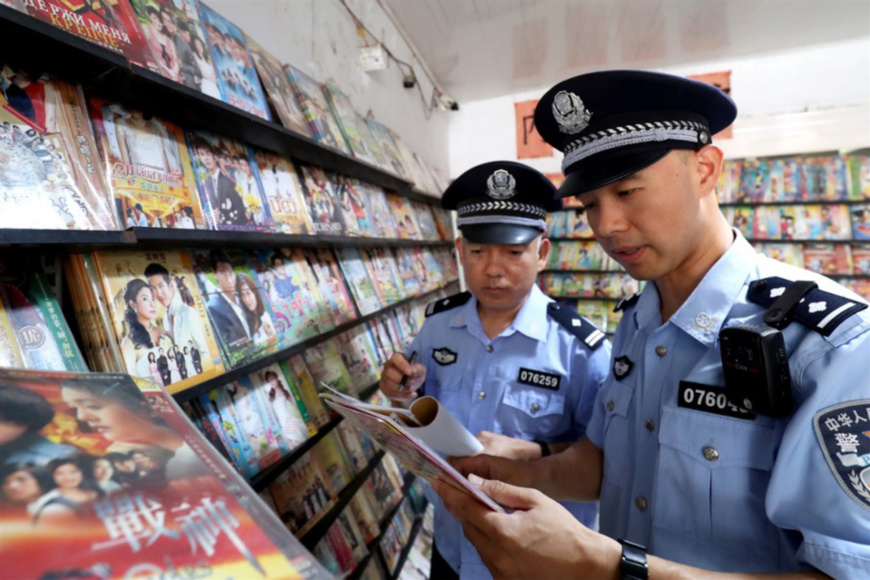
(713, 474)
(531, 412)
(617, 430)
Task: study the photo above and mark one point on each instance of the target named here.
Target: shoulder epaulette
(626, 302)
(577, 325)
(820, 310)
(447, 303)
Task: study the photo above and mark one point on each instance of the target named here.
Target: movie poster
(159, 317)
(282, 190)
(110, 480)
(147, 164)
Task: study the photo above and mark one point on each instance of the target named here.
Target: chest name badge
(444, 356)
(621, 367)
(539, 379)
(710, 400)
(843, 432)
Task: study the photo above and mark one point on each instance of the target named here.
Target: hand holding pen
(403, 384)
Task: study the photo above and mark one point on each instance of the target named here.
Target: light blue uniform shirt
(482, 388)
(721, 492)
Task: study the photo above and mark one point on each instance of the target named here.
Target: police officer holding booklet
(733, 432)
(509, 363)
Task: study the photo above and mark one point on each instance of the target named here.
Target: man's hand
(508, 447)
(396, 369)
(540, 539)
(513, 471)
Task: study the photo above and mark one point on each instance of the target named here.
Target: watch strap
(633, 565)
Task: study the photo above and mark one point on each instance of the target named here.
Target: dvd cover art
(859, 177)
(354, 214)
(321, 201)
(378, 211)
(355, 349)
(332, 286)
(174, 33)
(159, 317)
(240, 315)
(443, 223)
(112, 481)
(237, 77)
(383, 274)
(279, 91)
(110, 24)
(860, 259)
(330, 455)
(353, 127)
(34, 334)
(406, 225)
(297, 375)
(827, 259)
(326, 366)
(392, 158)
(407, 272)
(283, 191)
(260, 427)
(230, 194)
(241, 450)
(50, 174)
(277, 396)
(859, 214)
(302, 494)
(147, 166)
(361, 285)
(316, 109)
(788, 253)
(292, 293)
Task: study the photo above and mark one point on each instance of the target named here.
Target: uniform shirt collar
(530, 320)
(702, 314)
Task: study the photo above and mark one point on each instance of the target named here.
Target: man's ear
(460, 244)
(709, 167)
(543, 252)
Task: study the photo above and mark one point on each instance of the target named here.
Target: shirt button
(609, 405)
(661, 351)
(649, 424)
(437, 382)
(710, 454)
(535, 408)
(481, 395)
(640, 503)
(489, 348)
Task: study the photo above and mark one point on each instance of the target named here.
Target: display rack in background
(579, 273)
(260, 410)
(811, 211)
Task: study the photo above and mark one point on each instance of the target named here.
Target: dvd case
(279, 91)
(49, 167)
(147, 165)
(122, 485)
(316, 109)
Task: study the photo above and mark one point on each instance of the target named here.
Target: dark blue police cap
(501, 202)
(611, 124)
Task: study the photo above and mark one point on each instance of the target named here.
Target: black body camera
(755, 365)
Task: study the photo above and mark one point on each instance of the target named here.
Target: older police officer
(503, 358)
(733, 433)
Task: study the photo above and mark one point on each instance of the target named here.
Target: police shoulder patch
(577, 325)
(447, 303)
(626, 302)
(843, 432)
(819, 310)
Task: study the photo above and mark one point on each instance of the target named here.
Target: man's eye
(625, 192)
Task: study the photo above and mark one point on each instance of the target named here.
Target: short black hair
(155, 269)
(21, 406)
(216, 256)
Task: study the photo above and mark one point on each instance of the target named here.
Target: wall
(812, 99)
(320, 38)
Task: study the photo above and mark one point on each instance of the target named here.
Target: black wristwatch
(633, 565)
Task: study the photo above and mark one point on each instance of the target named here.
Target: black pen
(403, 384)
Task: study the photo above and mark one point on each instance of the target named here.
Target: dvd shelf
(123, 94)
(811, 211)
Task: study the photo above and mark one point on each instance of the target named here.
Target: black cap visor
(506, 234)
(608, 169)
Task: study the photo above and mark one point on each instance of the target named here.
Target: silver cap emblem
(501, 185)
(570, 113)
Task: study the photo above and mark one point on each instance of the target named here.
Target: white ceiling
(484, 48)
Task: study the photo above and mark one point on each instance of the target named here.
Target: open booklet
(413, 435)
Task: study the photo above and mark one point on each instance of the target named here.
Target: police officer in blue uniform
(504, 358)
(733, 433)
